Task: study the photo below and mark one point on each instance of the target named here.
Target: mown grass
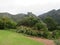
(12, 38)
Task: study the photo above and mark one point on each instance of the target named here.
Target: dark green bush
(51, 23)
(28, 21)
(58, 27)
(6, 23)
(56, 34)
(41, 26)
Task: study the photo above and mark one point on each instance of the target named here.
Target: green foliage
(58, 27)
(57, 42)
(11, 24)
(55, 14)
(28, 21)
(56, 34)
(7, 23)
(1, 24)
(29, 31)
(47, 34)
(26, 30)
(51, 23)
(41, 26)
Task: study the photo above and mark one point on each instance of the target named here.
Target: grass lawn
(12, 38)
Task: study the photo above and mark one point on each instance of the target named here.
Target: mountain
(16, 17)
(55, 14)
(5, 14)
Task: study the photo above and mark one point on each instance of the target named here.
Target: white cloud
(23, 6)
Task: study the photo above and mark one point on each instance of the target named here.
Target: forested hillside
(55, 14)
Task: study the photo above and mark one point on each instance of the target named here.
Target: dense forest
(46, 25)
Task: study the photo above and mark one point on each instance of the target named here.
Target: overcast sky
(24, 6)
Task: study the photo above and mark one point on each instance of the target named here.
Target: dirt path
(45, 41)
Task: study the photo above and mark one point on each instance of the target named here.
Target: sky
(23, 6)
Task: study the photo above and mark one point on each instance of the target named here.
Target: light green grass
(12, 38)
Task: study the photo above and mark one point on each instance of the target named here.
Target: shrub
(28, 21)
(51, 23)
(57, 42)
(56, 34)
(41, 26)
(27, 30)
(47, 34)
(6, 23)
(21, 29)
(58, 27)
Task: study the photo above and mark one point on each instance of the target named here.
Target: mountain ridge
(55, 14)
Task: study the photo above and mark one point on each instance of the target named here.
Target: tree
(7, 23)
(11, 24)
(41, 26)
(28, 21)
(51, 23)
(1, 24)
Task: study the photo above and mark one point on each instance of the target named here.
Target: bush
(27, 30)
(47, 34)
(28, 21)
(6, 23)
(40, 33)
(41, 26)
(51, 23)
(57, 42)
(56, 34)
(21, 29)
(58, 27)
(10, 25)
